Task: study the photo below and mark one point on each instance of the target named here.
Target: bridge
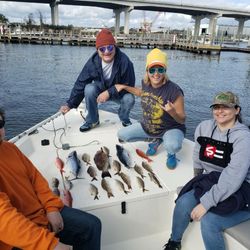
(197, 12)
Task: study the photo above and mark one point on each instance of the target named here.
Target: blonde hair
(146, 79)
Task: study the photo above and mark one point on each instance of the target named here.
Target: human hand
(103, 97)
(198, 212)
(119, 87)
(64, 109)
(56, 221)
(169, 107)
(61, 246)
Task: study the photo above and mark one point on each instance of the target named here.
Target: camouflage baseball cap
(228, 99)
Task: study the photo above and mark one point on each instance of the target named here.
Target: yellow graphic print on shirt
(152, 112)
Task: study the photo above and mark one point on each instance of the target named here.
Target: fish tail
(129, 187)
(126, 192)
(149, 160)
(144, 189)
(143, 176)
(117, 173)
(106, 174)
(96, 197)
(94, 179)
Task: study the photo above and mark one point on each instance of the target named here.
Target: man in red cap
(106, 67)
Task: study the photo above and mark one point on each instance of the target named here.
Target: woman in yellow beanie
(162, 104)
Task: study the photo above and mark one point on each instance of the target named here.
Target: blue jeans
(172, 139)
(81, 230)
(91, 92)
(212, 225)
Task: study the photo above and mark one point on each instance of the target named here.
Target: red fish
(67, 198)
(143, 155)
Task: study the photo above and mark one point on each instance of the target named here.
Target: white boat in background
(134, 221)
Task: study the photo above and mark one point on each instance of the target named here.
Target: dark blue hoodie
(122, 73)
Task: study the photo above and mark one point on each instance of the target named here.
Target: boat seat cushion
(241, 233)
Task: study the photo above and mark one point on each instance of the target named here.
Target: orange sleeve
(49, 201)
(16, 230)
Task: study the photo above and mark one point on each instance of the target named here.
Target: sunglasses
(108, 48)
(2, 123)
(153, 70)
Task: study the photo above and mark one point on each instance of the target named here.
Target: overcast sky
(98, 17)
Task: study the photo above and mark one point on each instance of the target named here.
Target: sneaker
(125, 124)
(172, 245)
(171, 161)
(153, 146)
(87, 126)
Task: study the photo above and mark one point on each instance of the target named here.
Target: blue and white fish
(75, 165)
(123, 156)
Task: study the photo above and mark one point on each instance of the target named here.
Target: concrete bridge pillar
(197, 26)
(117, 13)
(240, 27)
(212, 27)
(54, 12)
(126, 21)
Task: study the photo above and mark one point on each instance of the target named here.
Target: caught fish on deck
(126, 179)
(147, 167)
(75, 165)
(121, 186)
(139, 170)
(92, 172)
(124, 156)
(94, 191)
(105, 185)
(86, 158)
(141, 184)
(54, 186)
(154, 179)
(116, 166)
(143, 155)
(102, 162)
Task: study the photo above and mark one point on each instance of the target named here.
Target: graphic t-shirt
(155, 120)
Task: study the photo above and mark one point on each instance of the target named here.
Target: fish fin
(94, 179)
(106, 174)
(110, 195)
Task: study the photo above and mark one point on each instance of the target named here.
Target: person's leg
(81, 230)
(126, 104)
(132, 133)
(172, 141)
(213, 225)
(91, 93)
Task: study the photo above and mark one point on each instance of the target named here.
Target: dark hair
(238, 117)
(2, 113)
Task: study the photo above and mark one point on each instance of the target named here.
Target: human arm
(133, 90)
(17, 230)
(176, 109)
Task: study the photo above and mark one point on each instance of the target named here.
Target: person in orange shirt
(31, 216)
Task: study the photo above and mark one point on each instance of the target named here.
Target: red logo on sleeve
(209, 151)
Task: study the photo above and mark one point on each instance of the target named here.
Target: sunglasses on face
(2, 122)
(108, 48)
(153, 70)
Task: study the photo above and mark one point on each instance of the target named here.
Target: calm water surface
(36, 79)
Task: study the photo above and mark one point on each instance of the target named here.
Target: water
(36, 79)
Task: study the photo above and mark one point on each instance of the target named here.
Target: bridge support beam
(126, 21)
(54, 12)
(240, 27)
(117, 13)
(212, 27)
(197, 26)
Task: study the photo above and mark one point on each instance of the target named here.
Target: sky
(97, 17)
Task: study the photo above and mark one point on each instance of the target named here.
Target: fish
(107, 188)
(154, 179)
(126, 179)
(102, 162)
(55, 184)
(121, 186)
(75, 165)
(94, 191)
(143, 155)
(124, 156)
(67, 198)
(92, 172)
(116, 166)
(59, 164)
(86, 158)
(139, 170)
(147, 167)
(141, 184)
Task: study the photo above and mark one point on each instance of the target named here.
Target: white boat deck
(146, 223)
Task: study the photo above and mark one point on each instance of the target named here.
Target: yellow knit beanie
(156, 57)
